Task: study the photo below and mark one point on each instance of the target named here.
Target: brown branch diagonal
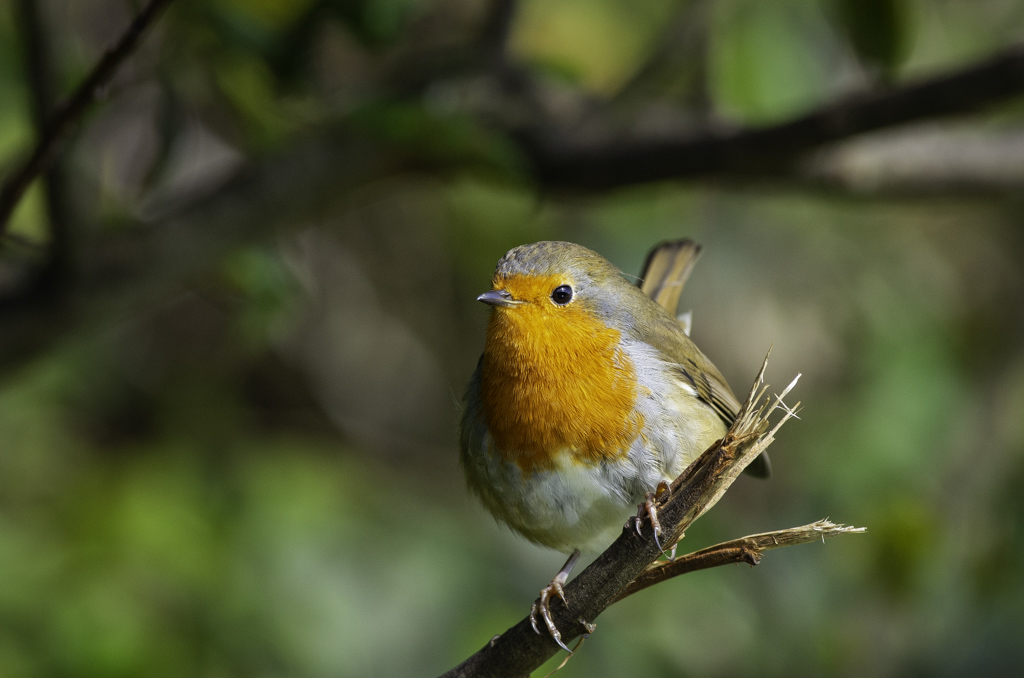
(65, 117)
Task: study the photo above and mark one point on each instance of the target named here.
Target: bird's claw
(542, 608)
(649, 508)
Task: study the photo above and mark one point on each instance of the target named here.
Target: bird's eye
(562, 295)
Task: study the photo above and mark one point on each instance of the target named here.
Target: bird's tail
(665, 272)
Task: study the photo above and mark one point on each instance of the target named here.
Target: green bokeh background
(257, 475)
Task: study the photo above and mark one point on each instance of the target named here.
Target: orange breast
(555, 378)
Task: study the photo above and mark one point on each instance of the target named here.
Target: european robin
(588, 397)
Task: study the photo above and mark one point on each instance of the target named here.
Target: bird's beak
(498, 298)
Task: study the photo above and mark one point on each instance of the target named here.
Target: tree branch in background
(927, 161)
(558, 163)
(520, 650)
(250, 208)
(131, 269)
(70, 113)
(497, 27)
(41, 78)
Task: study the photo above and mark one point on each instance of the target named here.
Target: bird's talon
(650, 507)
(558, 639)
(542, 608)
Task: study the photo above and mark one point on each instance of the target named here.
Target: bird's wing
(668, 337)
(665, 272)
(662, 278)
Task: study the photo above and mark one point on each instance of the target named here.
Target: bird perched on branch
(588, 397)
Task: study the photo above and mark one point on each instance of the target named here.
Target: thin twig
(38, 64)
(744, 550)
(37, 61)
(71, 112)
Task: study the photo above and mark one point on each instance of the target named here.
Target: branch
(520, 650)
(71, 112)
(40, 76)
(130, 269)
(559, 163)
(744, 550)
(930, 161)
(497, 26)
(37, 61)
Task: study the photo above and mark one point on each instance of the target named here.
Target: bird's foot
(542, 607)
(649, 508)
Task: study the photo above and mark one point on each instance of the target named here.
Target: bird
(589, 397)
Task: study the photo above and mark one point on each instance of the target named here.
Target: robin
(588, 398)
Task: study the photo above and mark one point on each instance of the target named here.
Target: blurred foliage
(257, 475)
(766, 61)
(618, 37)
(879, 30)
